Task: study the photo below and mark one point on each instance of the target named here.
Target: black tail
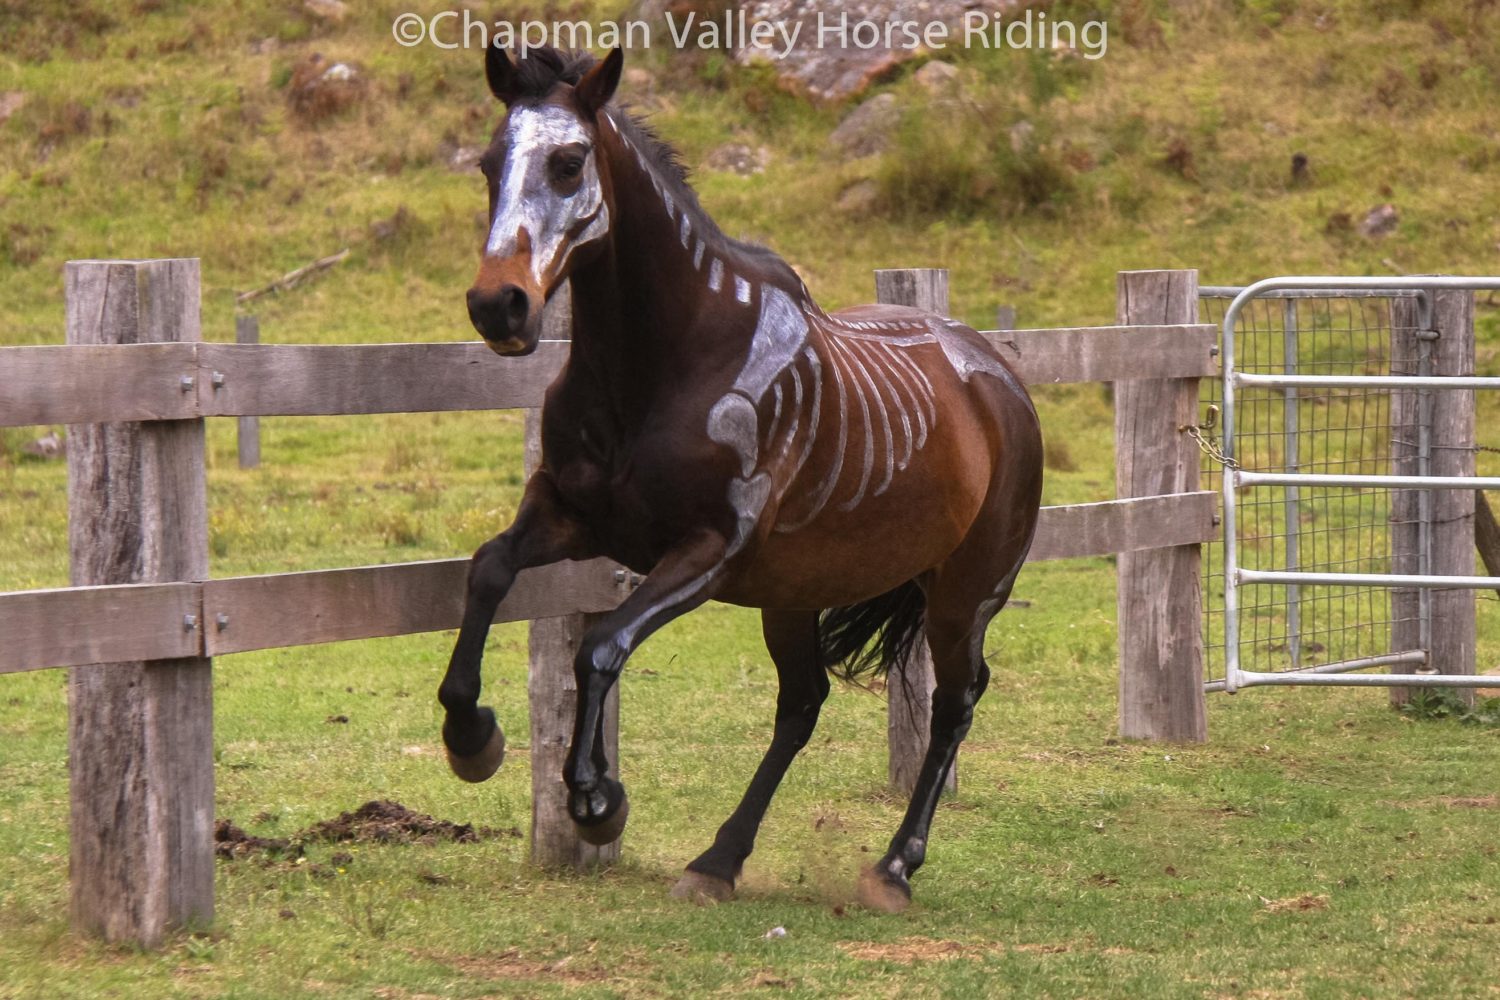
(893, 620)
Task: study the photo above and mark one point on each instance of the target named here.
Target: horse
(862, 477)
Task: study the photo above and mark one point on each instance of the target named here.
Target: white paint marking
(868, 356)
(860, 380)
(819, 497)
(796, 414)
(900, 392)
(716, 275)
(780, 332)
(741, 288)
(775, 413)
(914, 380)
(554, 223)
(815, 414)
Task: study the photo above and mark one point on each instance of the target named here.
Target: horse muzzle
(509, 319)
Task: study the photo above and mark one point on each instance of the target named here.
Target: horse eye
(569, 168)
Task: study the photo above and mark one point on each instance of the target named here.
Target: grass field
(1320, 845)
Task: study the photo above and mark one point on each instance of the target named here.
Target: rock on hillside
(832, 58)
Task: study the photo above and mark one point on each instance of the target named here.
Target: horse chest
(637, 493)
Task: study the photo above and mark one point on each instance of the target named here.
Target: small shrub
(400, 528)
(942, 164)
(1436, 704)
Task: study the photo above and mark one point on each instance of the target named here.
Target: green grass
(1320, 844)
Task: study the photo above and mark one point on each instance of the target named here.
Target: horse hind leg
(792, 639)
(955, 634)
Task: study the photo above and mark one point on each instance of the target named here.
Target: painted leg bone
(681, 582)
(886, 887)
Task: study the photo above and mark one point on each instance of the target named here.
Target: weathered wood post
(1159, 590)
(1447, 519)
(247, 331)
(553, 691)
(909, 689)
(140, 735)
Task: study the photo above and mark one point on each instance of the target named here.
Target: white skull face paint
(555, 221)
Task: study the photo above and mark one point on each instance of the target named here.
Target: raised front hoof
(478, 765)
(600, 815)
(883, 892)
(702, 889)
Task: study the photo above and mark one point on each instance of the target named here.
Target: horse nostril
(499, 315)
(514, 307)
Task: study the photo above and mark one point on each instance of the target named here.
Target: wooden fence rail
(139, 382)
(98, 384)
(238, 614)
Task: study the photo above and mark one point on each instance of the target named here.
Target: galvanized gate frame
(1236, 577)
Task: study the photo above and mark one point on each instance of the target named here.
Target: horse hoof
(479, 766)
(607, 830)
(881, 893)
(702, 889)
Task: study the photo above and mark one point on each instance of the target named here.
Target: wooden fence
(143, 618)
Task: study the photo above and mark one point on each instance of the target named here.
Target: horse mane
(543, 67)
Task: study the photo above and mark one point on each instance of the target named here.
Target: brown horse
(853, 475)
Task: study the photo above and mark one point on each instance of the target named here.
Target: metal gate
(1328, 480)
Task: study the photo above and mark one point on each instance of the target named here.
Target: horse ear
(598, 84)
(500, 72)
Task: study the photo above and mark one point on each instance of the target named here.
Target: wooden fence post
(1451, 649)
(552, 690)
(909, 688)
(1159, 590)
(140, 735)
(247, 331)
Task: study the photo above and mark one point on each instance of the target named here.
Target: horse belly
(845, 556)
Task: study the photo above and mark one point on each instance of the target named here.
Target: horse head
(549, 189)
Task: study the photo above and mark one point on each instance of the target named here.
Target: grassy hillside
(163, 128)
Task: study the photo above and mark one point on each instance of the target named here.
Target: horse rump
(870, 637)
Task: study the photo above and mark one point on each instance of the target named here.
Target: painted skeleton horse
(863, 477)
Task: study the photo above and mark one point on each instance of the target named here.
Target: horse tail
(872, 636)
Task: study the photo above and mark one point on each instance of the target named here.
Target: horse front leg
(792, 639)
(684, 579)
(543, 532)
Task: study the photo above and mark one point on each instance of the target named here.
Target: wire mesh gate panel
(1346, 430)
(1326, 420)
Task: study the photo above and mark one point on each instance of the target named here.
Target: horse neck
(638, 307)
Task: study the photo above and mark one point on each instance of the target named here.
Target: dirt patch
(1296, 904)
(231, 842)
(922, 949)
(916, 949)
(1469, 801)
(1447, 802)
(575, 970)
(378, 822)
(392, 823)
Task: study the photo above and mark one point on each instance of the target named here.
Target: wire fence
(1322, 530)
